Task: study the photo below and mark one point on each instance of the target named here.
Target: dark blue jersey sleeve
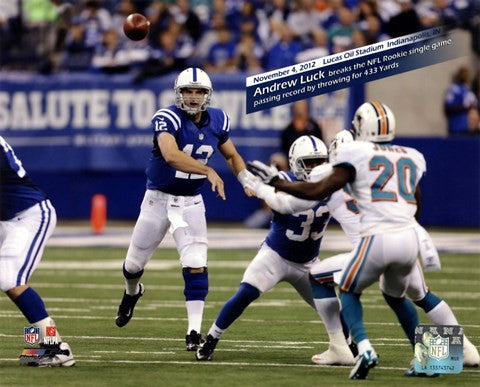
(166, 120)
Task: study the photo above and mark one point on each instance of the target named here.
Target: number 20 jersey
(196, 140)
(385, 182)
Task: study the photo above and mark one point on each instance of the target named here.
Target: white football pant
(268, 269)
(159, 212)
(22, 240)
(392, 254)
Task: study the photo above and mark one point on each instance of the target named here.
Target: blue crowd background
(220, 35)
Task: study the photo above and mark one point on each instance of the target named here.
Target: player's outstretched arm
(319, 190)
(278, 201)
(235, 163)
(217, 183)
(183, 162)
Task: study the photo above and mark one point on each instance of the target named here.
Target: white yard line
(240, 343)
(234, 364)
(120, 286)
(241, 238)
(14, 314)
(160, 273)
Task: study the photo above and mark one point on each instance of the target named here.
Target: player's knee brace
(131, 270)
(196, 284)
(428, 302)
(321, 290)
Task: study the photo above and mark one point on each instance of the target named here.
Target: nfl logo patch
(31, 335)
(438, 348)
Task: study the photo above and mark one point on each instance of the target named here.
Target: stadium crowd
(219, 35)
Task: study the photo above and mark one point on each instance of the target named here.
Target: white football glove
(254, 184)
(244, 177)
(265, 172)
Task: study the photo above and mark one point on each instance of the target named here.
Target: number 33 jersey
(17, 191)
(297, 237)
(385, 183)
(196, 140)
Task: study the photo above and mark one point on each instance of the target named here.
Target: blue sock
(353, 314)
(429, 302)
(235, 306)
(321, 290)
(406, 314)
(31, 305)
(196, 285)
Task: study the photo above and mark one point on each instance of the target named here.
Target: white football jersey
(384, 185)
(343, 208)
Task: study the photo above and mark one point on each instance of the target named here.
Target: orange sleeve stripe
(358, 262)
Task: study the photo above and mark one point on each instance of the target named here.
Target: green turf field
(270, 345)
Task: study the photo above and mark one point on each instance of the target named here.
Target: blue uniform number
(406, 175)
(13, 161)
(312, 227)
(351, 203)
(203, 152)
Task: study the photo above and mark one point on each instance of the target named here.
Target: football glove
(266, 173)
(244, 177)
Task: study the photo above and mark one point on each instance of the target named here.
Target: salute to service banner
(345, 69)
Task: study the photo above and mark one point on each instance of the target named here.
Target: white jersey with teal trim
(385, 182)
(343, 208)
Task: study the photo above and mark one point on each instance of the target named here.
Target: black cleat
(193, 340)
(353, 347)
(364, 364)
(411, 372)
(57, 355)
(125, 310)
(205, 351)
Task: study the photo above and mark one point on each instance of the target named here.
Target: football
(136, 26)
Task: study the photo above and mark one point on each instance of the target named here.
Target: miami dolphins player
(328, 272)
(27, 219)
(375, 122)
(185, 136)
(287, 254)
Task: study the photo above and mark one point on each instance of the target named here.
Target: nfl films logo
(438, 348)
(31, 335)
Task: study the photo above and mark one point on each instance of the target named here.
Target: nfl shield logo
(438, 348)
(31, 335)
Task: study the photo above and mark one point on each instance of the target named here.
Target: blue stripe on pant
(32, 246)
(42, 241)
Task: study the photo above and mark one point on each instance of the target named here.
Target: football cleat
(471, 357)
(205, 351)
(365, 362)
(193, 340)
(58, 355)
(335, 355)
(125, 310)
(353, 348)
(411, 372)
